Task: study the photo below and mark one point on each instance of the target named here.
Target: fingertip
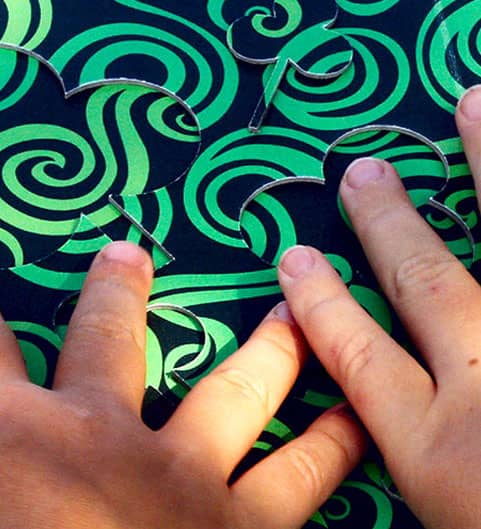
(298, 261)
(282, 312)
(369, 186)
(362, 172)
(127, 254)
(468, 109)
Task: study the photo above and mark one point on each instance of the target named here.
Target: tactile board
(215, 133)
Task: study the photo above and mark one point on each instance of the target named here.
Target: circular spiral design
(347, 101)
(208, 85)
(291, 19)
(230, 170)
(27, 22)
(448, 51)
(52, 174)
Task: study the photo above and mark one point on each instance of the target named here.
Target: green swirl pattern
(239, 157)
(448, 50)
(21, 27)
(177, 56)
(48, 167)
(129, 119)
(349, 100)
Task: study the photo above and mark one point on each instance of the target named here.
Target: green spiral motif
(293, 20)
(11, 63)
(47, 167)
(366, 9)
(39, 345)
(448, 50)
(335, 106)
(238, 157)
(20, 27)
(48, 199)
(167, 365)
(109, 43)
(383, 506)
(215, 12)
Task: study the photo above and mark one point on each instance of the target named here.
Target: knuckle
(354, 354)
(242, 384)
(324, 309)
(308, 468)
(333, 445)
(283, 349)
(110, 326)
(423, 273)
(87, 422)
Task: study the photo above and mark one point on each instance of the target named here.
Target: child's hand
(80, 457)
(427, 425)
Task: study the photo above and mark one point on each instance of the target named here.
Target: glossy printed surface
(151, 101)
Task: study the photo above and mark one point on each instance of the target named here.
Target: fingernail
(470, 103)
(126, 253)
(296, 261)
(282, 312)
(364, 171)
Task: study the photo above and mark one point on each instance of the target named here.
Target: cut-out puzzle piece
(64, 154)
(41, 288)
(224, 12)
(181, 348)
(231, 172)
(298, 34)
(424, 170)
(164, 43)
(297, 211)
(45, 283)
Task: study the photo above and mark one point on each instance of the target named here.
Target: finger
(12, 365)
(435, 296)
(227, 410)
(303, 474)
(468, 119)
(379, 378)
(104, 351)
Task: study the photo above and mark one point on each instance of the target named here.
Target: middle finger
(436, 298)
(227, 410)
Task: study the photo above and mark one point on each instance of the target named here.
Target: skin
(426, 424)
(78, 456)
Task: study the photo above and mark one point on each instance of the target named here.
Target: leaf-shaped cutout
(298, 34)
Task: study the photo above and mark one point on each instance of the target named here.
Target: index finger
(379, 378)
(103, 356)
